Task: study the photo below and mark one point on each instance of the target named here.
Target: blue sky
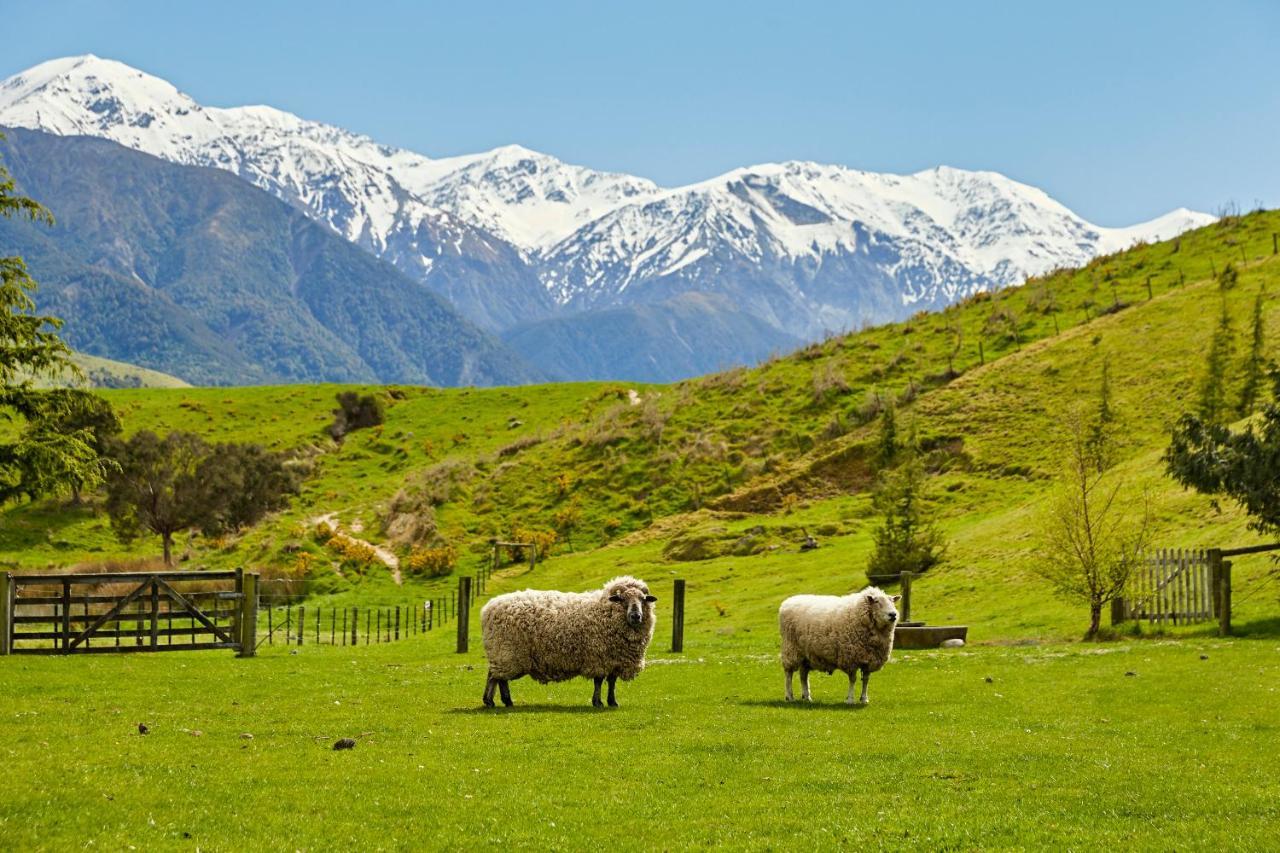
(1121, 110)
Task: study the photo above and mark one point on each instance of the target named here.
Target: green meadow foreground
(715, 481)
(1028, 747)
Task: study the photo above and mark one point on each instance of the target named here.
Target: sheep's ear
(615, 598)
(896, 599)
(651, 598)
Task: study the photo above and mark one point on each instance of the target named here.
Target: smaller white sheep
(555, 636)
(852, 633)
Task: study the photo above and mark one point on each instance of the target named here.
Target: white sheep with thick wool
(556, 636)
(851, 633)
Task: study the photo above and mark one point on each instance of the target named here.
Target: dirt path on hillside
(385, 555)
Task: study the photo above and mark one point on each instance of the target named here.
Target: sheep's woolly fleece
(555, 636)
(844, 632)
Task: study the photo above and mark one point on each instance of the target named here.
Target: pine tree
(1254, 368)
(906, 540)
(887, 445)
(1212, 408)
(38, 457)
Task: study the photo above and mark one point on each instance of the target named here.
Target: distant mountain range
(766, 255)
(192, 272)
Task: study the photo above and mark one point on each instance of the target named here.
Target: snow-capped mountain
(513, 235)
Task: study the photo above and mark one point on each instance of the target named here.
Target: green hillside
(715, 479)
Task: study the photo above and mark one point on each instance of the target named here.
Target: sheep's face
(633, 602)
(882, 607)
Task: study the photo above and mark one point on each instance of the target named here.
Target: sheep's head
(880, 607)
(632, 600)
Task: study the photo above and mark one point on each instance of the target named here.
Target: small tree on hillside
(887, 445)
(241, 483)
(1100, 438)
(906, 539)
(355, 412)
(1254, 368)
(1213, 386)
(157, 487)
(567, 519)
(1093, 534)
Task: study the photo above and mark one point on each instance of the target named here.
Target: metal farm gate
(66, 614)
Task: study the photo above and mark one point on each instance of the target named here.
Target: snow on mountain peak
(594, 236)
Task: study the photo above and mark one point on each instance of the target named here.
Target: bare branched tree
(1094, 531)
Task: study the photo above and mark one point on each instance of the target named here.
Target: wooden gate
(1173, 586)
(65, 614)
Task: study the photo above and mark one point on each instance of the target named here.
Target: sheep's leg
(853, 681)
(504, 685)
(490, 685)
(788, 694)
(613, 683)
(866, 676)
(595, 697)
(804, 682)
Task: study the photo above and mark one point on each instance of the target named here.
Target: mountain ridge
(514, 236)
(193, 272)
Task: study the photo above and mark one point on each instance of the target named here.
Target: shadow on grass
(801, 705)
(1258, 629)
(532, 709)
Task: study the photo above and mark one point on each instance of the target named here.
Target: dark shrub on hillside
(355, 412)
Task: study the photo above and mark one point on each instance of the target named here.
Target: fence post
(677, 616)
(1119, 612)
(155, 612)
(355, 626)
(6, 613)
(464, 610)
(1224, 617)
(1215, 581)
(249, 616)
(905, 579)
(302, 622)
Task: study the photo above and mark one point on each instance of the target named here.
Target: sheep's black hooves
(508, 703)
(613, 703)
(596, 703)
(488, 702)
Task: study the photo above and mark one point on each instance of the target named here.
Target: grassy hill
(714, 479)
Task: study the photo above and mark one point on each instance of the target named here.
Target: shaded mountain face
(688, 335)
(191, 271)
(513, 236)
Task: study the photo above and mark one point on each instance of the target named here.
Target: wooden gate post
(677, 616)
(1119, 612)
(6, 613)
(905, 609)
(464, 610)
(1216, 582)
(248, 616)
(1224, 615)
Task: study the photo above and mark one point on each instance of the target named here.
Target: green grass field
(715, 481)
(1061, 748)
